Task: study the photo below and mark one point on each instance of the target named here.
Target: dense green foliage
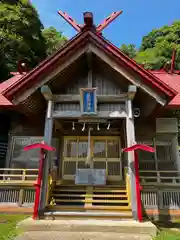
(129, 50)
(4, 71)
(20, 34)
(157, 47)
(53, 39)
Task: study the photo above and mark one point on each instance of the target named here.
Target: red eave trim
(173, 106)
(137, 68)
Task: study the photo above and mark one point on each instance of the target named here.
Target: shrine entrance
(105, 154)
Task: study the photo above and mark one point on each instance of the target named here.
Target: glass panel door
(70, 156)
(82, 153)
(114, 164)
(99, 150)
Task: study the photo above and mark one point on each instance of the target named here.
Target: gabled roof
(4, 102)
(7, 84)
(20, 83)
(11, 81)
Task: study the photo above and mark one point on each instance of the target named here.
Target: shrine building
(90, 101)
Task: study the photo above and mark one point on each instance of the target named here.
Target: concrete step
(55, 235)
(89, 225)
(87, 214)
(88, 208)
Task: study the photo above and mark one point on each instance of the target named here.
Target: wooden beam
(108, 20)
(112, 98)
(71, 21)
(66, 98)
(89, 58)
(100, 114)
(100, 98)
(89, 62)
(132, 89)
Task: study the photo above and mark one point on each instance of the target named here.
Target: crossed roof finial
(88, 21)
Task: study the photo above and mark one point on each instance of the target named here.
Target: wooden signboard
(166, 125)
(90, 177)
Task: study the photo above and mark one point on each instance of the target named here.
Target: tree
(157, 47)
(130, 50)
(20, 34)
(53, 39)
(4, 73)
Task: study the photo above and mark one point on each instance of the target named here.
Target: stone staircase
(74, 201)
(87, 213)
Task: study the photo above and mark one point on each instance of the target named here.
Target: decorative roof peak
(89, 21)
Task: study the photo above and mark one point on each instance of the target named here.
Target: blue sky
(139, 16)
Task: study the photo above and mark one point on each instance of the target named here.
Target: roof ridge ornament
(88, 21)
(22, 67)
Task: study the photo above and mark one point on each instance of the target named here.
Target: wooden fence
(17, 186)
(158, 192)
(168, 177)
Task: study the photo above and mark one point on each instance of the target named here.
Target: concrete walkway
(87, 229)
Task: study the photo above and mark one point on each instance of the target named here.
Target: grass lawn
(168, 231)
(168, 235)
(8, 225)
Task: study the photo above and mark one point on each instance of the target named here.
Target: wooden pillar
(130, 134)
(47, 139)
(89, 63)
(175, 151)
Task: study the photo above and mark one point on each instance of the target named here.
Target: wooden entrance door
(105, 154)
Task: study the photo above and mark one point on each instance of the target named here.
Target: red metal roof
(4, 101)
(8, 83)
(5, 85)
(173, 81)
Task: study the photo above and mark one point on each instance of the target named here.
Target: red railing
(43, 148)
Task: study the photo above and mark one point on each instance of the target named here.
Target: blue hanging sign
(88, 101)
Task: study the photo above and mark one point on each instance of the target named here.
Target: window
(99, 149)
(164, 151)
(26, 159)
(70, 148)
(147, 159)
